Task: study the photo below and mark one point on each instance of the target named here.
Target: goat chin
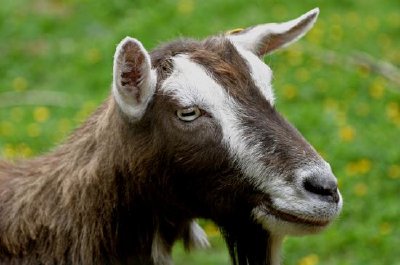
(292, 225)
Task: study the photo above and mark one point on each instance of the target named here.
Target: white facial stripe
(191, 85)
(285, 195)
(260, 72)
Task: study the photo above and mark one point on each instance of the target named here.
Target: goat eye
(188, 114)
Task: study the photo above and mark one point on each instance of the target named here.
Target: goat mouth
(292, 218)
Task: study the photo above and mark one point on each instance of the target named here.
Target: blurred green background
(340, 86)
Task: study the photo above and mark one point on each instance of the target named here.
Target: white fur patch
(291, 198)
(190, 85)
(260, 72)
(198, 237)
(160, 254)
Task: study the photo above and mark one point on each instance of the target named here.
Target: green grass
(349, 113)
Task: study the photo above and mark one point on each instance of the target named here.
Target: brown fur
(64, 207)
(97, 198)
(117, 187)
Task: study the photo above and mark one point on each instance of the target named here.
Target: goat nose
(325, 187)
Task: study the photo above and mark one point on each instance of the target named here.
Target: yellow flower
(211, 230)
(359, 167)
(393, 113)
(9, 151)
(185, 7)
(377, 88)
(311, 259)
(289, 91)
(393, 110)
(347, 133)
(360, 189)
(21, 150)
(315, 36)
(294, 56)
(41, 114)
(364, 166)
(385, 229)
(34, 130)
(20, 84)
(394, 172)
(371, 23)
(24, 150)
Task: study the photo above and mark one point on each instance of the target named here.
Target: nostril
(325, 188)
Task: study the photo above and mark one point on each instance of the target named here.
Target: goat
(189, 131)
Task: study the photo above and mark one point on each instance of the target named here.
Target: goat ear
(134, 81)
(267, 38)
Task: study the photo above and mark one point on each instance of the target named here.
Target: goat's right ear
(266, 38)
(134, 81)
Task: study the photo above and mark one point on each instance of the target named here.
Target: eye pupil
(188, 114)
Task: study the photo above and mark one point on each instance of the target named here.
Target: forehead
(195, 72)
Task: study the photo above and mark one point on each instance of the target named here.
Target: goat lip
(288, 217)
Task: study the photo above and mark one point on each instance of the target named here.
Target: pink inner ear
(131, 74)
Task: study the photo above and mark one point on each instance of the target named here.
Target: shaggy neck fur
(80, 204)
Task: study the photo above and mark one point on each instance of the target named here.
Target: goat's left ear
(267, 38)
(134, 81)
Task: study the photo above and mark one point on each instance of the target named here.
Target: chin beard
(250, 244)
